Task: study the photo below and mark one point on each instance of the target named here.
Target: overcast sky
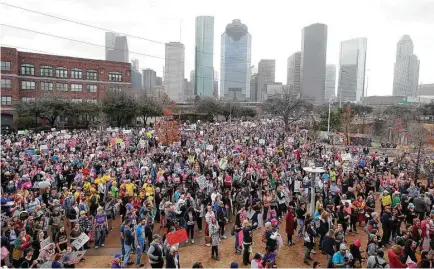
(275, 26)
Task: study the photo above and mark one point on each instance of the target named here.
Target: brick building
(27, 76)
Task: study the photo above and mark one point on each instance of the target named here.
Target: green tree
(119, 107)
(47, 108)
(335, 121)
(288, 107)
(84, 113)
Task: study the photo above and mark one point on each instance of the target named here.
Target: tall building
(266, 75)
(149, 80)
(313, 62)
(293, 72)
(158, 81)
(253, 85)
(352, 66)
(216, 85)
(406, 71)
(236, 43)
(330, 83)
(116, 48)
(174, 70)
(426, 89)
(136, 76)
(204, 70)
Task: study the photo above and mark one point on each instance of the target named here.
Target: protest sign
(177, 237)
(262, 141)
(74, 257)
(80, 241)
(297, 186)
(209, 147)
(201, 181)
(21, 132)
(45, 242)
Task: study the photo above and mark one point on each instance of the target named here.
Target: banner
(177, 237)
(45, 242)
(201, 181)
(80, 241)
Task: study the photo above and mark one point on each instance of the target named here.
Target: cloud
(409, 10)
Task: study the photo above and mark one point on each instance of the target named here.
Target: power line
(108, 30)
(97, 45)
(49, 53)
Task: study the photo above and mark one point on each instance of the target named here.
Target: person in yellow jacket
(386, 200)
(130, 188)
(149, 188)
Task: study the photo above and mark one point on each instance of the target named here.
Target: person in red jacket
(290, 225)
(393, 254)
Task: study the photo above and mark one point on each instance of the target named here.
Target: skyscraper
(116, 47)
(406, 71)
(236, 45)
(174, 70)
(330, 82)
(293, 72)
(149, 80)
(313, 62)
(254, 86)
(136, 76)
(266, 75)
(352, 66)
(204, 70)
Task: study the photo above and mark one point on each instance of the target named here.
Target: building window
(61, 72)
(6, 66)
(28, 69)
(47, 86)
(46, 71)
(91, 88)
(28, 99)
(76, 73)
(115, 88)
(28, 85)
(92, 101)
(91, 75)
(6, 100)
(115, 76)
(6, 83)
(62, 87)
(76, 100)
(76, 87)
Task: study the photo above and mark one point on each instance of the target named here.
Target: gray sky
(275, 26)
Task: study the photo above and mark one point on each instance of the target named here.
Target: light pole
(328, 120)
(315, 171)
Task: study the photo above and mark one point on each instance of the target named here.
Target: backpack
(377, 264)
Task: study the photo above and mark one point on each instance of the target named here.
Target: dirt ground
(190, 253)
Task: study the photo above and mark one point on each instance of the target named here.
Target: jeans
(127, 255)
(236, 241)
(190, 231)
(307, 253)
(215, 250)
(300, 227)
(123, 247)
(139, 251)
(100, 237)
(199, 223)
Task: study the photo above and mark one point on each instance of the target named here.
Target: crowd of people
(62, 190)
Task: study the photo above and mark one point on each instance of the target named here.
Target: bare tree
(288, 107)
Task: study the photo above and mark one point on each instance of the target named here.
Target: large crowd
(62, 190)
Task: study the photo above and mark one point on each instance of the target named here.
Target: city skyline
(389, 20)
(174, 71)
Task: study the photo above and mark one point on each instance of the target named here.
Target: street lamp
(315, 171)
